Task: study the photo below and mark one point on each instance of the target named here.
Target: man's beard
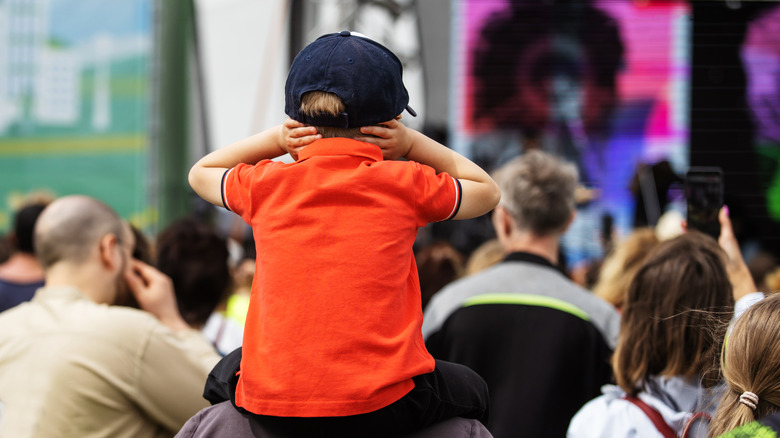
(124, 296)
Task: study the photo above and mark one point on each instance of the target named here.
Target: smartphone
(704, 198)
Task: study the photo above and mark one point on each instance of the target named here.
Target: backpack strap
(698, 416)
(654, 416)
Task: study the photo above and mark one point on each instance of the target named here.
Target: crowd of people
(351, 329)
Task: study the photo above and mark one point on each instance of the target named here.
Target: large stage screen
(603, 84)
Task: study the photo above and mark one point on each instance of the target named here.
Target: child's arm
(206, 175)
(480, 193)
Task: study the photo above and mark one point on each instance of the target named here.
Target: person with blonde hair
(486, 255)
(772, 281)
(621, 264)
(749, 363)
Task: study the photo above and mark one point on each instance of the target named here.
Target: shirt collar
(68, 293)
(341, 146)
(520, 256)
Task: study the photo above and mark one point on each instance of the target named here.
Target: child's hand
(295, 136)
(392, 137)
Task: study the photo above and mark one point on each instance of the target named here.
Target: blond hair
(321, 102)
(749, 363)
(621, 265)
(486, 255)
(772, 281)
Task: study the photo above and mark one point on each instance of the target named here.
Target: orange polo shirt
(334, 318)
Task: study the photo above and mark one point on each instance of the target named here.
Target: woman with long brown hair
(666, 348)
(674, 323)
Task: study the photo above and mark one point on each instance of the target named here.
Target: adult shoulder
(451, 297)
(602, 314)
(611, 416)
(522, 278)
(118, 321)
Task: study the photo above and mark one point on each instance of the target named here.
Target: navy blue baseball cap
(364, 74)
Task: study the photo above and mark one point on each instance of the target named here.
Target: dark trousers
(451, 390)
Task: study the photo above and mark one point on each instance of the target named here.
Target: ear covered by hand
(295, 136)
(392, 137)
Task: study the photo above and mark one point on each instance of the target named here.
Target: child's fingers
(384, 129)
(377, 131)
(296, 142)
(379, 141)
(391, 123)
(292, 124)
(389, 149)
(294, 146)
(306, 131)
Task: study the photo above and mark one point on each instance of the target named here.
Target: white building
(8, 108)
(27, 36)
(24, 28)
(57, 93)
(101, 96)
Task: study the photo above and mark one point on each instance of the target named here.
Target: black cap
(364, 74)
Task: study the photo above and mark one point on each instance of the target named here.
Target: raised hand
(154, 292)
(392, 137)
(295, 136)
(739, 274)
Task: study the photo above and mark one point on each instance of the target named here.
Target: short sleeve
(239, 184)
(437, 196)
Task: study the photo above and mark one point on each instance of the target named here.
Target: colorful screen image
(760, 54)
(603, 84)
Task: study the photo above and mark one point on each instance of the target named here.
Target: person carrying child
(332, 341)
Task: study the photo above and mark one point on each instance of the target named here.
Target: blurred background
(117, 99)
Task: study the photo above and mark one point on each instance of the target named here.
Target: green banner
(75, 93)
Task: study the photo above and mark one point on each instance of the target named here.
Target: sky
(74, 22)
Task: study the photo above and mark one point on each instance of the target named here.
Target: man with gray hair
(73, 364)
(541, 342)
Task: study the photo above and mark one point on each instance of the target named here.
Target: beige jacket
(72, 368)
